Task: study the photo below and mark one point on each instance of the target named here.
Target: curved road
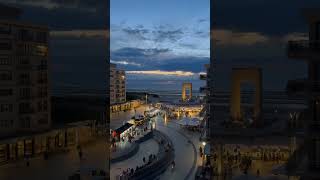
(185, 152)
(146, 148)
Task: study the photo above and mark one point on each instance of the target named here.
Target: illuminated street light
(204, 143)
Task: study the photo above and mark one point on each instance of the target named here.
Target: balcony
(42, 81)
(26, 111)
(303, 49)
(24, 67)
(24, 83)
(203, 76)
(303, 87)
(42, 67)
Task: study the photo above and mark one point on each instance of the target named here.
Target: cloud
(167, 35)
(180, 40)
(125, 62)
(202, 20)
(137, 52)
(138, 32)
(163, 73)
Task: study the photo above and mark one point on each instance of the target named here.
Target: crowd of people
(130, 171)
(243, 161)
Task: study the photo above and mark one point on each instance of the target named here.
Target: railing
(26, 111)
(164, 158)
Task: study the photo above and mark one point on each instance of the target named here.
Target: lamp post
(146, 100)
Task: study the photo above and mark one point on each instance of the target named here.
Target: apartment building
(309, 52)
(117, 85)
(24, 87)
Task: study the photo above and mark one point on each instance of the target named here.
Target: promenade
(186, 153)
(59, 166)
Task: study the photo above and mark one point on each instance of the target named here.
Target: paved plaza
(146, 148)
(117, 119)
(186, 155)
(59, 166)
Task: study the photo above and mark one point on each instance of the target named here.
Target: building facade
(117, 85)
(52, 141)
(24, 87)
(309, 51)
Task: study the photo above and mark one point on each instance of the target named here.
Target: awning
(123, 128)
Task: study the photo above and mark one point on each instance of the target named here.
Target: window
(5, 46)
(25, 92)
(4, 60)
(22, 60)
(5, 75)
(25, 35)
(24, 108)
(6, 123)
(42, 91)
(25, 122)
(41, 37)
(42, 77)
(42, 106)
(43, 120)
(24, 78)
(6, 107)
(6, 92)
(5, 29)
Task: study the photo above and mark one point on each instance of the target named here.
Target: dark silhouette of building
(309, 51)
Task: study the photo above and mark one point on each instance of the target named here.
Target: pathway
(146, 148)
(59, 166)
(185, 152)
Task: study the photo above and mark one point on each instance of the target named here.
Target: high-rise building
(117, 85)
(24, 87)
(309, 51)
(205, 90)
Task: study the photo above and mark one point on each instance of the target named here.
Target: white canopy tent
(189, 122)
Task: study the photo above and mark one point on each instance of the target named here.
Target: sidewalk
(125, 147)
(59, 166)
(184, 152)
(146, 148)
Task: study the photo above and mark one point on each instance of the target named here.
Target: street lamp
(204, 143)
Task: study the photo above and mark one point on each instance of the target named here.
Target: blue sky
(163, 31)
(160, 35)
(169, 35)
(173, 35)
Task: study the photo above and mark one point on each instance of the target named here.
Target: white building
(117, 85)
(24, 96)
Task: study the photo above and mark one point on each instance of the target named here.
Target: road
(186, 154)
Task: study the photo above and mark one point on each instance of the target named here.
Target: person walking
(173, 164)
(200, 151)
(258, 173)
